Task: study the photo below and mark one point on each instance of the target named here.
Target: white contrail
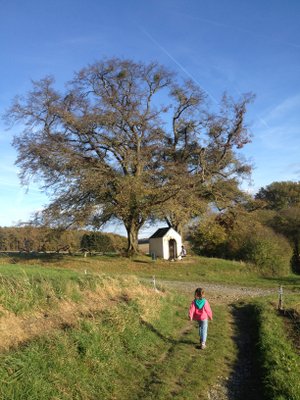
(263, 122)
(176, 62)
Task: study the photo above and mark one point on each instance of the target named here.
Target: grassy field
(87, 328)
(136, 344)
(192, 268)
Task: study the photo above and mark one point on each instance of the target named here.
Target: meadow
(191, 268)
(95, 327)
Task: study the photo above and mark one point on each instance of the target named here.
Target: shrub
(106, 243)
(269, 252)
(247, 240)
(208, 237)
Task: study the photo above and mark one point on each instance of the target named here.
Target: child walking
(200, 311)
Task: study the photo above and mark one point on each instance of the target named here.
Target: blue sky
(236, 46)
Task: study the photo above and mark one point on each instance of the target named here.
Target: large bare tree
(125, 141)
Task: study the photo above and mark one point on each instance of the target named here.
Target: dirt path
(218, 293)
(243, 382)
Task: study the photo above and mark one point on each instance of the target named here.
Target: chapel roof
(161, 232)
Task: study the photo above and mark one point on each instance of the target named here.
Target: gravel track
(218, 292)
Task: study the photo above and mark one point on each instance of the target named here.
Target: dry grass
(56, 313)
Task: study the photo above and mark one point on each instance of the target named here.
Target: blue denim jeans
(203, 325)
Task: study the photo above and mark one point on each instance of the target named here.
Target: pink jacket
(199, 315)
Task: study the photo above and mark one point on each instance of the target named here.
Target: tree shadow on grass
(19, 257)
(156, 378)
(143, 261)
(166, 339)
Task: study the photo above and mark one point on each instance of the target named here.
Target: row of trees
(129, 141)
(264, 231)
(33, 239)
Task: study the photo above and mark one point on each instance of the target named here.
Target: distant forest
(33, 239)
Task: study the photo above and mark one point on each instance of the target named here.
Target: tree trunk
(296, 257)
(132, 229)
(177, 226)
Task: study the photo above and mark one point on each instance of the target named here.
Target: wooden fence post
(154, 283)
(280, 298)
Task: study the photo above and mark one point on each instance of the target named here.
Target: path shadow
(245, 382)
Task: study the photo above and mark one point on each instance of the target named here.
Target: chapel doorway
(172, 249)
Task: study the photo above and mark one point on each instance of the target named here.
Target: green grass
(192, 268)
(140, 344)
(118, 354)
(25, 288)
(185, 372)
(279, 361)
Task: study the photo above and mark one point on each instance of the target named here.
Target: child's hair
(199, 293)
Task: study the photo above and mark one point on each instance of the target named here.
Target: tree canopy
(280, 195)
(127, 140)
(284, 199)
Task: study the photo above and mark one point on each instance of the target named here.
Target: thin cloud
(264, 122)
(294, 168)
(248, 31)
(11, 216)
(179, 65)
(8, 184)
(289, 106)
(285, 113)
(8, 167)
(281, 126)
(79, 40)
(283, 137)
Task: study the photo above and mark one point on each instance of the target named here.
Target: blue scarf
(199, 303)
